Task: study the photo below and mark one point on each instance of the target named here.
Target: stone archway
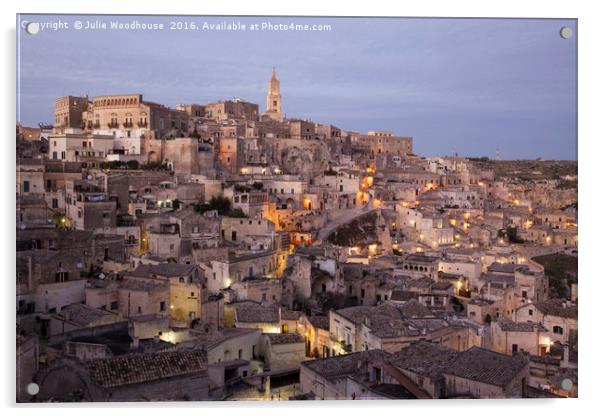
(66, 376)
(290, 203)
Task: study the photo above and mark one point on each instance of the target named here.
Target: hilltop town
(218, 252)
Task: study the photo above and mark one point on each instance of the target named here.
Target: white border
(590, 68)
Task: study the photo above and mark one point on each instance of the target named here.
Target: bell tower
(274, 99)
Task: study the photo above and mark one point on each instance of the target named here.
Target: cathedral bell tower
(274, 99)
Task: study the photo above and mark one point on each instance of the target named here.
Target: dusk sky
(456, 85)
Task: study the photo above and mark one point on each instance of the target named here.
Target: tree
(219, 203)
(133, 164)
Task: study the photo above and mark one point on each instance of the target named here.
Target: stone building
(480, 373)
(69, 112)
(163, 376)
(232, 109)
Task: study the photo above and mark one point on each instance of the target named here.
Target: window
(557, 329)
(114, 305)
(514, 348)
(530, 312)
(377, 373)
(25, 186)
(162, 306)
(61, 276)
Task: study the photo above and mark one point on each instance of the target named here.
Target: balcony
(96, 125)
(113, 125)
(142, 124)
(128, 124)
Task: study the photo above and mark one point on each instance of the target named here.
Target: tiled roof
(358, 314)
(415, 309)
(83, 315)
(486, 366)
(425, 358)
(146, 367)
(293, 338)
(388, 321)
(290, 315)
(502, 268)
(142, 285)
(344, 365)
(253, 312)
(511, 326)
(421, 258)
(163, 269)
(558, 307)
